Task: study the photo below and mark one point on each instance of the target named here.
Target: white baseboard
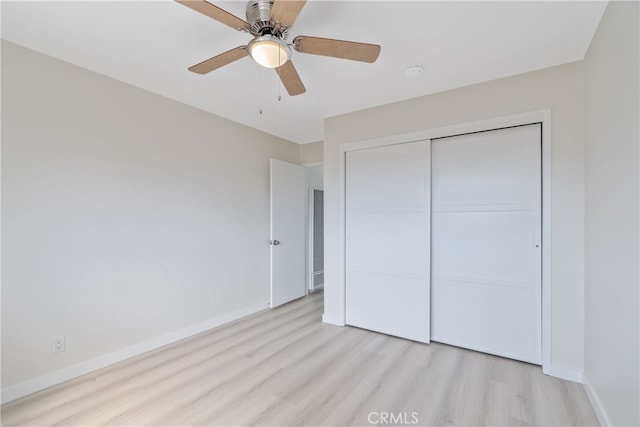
(564, 373)
(331, 320)
(36, 384)
(603, 418)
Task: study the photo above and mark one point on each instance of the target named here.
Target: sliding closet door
(486, 242)
(387, 247)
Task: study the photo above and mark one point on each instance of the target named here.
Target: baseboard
(603, 418)
(40, 383)
(564, 373)
(331, 320)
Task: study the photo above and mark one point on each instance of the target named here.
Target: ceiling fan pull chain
(279, 92)
(261, 88)
(279, 86)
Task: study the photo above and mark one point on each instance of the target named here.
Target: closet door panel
(388, 240)
(486, 242)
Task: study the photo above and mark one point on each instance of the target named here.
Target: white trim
(332, 320)
(307, 227)
(546, 241)
(309, 236)
(538, 116)
(342, 233)
(312, 164)
(598, 408)
(564, 373)
(36, 384)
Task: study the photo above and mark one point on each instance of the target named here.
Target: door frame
(310, 239)
(308, 223)
(537, 116)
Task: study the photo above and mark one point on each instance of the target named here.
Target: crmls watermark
(393, 418)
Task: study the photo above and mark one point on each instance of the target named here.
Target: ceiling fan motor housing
(259, 18)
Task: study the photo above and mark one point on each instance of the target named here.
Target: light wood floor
(284, 367)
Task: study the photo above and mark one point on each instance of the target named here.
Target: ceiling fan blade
(284, 12)
(216, 13)
(291, 79)
(220, 60)
(364, 52)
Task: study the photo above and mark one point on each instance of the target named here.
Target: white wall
(612, 346)
(125, 215)
(562, 90)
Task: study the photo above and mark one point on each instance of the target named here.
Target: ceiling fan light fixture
(269, 51)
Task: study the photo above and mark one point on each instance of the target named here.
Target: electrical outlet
(59, 344)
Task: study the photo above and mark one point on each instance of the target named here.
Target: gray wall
(125, 215)
(311, 154)
(612, 214)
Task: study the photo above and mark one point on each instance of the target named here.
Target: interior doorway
(315, 259)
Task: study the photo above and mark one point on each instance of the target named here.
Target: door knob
(275, 242)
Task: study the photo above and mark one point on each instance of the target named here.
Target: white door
(486, 242)
(387, 231)
(288, 228)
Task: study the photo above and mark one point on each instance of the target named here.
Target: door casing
(538, 116)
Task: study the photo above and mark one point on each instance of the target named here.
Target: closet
(443, 240)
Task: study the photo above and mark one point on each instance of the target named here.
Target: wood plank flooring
(284, 367)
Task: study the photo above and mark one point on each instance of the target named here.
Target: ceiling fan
(268, 21)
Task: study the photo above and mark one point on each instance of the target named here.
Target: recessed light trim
(413, 71)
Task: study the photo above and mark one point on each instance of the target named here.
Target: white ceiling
(150, 44)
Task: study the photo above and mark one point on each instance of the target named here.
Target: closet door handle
(274, 242)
